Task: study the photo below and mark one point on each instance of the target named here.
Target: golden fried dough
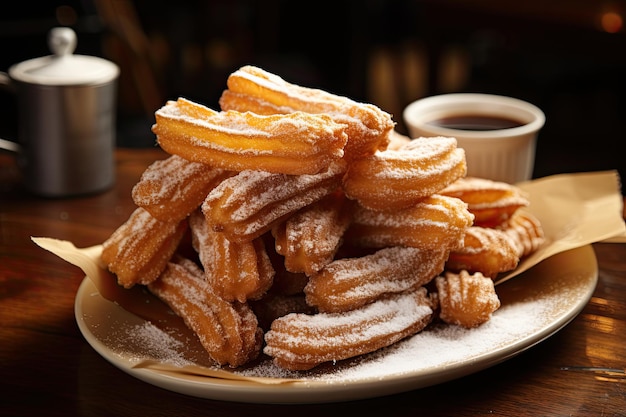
(250, 203)
(397, 179)
(435, 223)
(465, 299)
(229, 332)
(310, 238)
(485, 250)
(491, 202)
(294, 143)
(526, 231)
(347, 284)
(254, 89)
(302, 341)
(305, 214)
(172, 188)
(138, 250)
(238, 271)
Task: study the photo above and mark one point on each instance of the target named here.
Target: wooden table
(47, 367)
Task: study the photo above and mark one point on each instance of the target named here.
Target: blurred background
(566, 56)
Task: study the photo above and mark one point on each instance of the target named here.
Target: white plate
(535, 305)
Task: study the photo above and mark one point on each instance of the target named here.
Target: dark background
(555, 54)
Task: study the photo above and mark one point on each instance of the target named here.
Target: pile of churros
(298, 224)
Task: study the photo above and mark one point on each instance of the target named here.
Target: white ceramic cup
(501, 153)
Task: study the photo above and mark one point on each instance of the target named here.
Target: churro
(172, 188)
(301, 341)
(309, 239)
(491, 202)
(485, 250)
(250, 203)
(397, 179)
(397, 140)
(229, 332)
(254, 89)
(526, 231)
(465, 299)
(294, 143)
(138, 250)
(312, 219)
(237, 271)
(347, 284)
(435, 223)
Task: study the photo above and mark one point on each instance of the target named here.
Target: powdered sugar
(155, 344)
(533, 308)
(481, 193)
(494, 240)
(342, 109)
(295, 127)
(347, 283)
(429, 351)
(443, 345)
(439, 346)
(302, 341)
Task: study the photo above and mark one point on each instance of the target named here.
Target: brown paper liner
(575, 210)
(139, 302)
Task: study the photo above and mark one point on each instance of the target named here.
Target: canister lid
(64, 68)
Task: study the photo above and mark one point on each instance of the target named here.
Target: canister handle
(6, 84)
(7, 145)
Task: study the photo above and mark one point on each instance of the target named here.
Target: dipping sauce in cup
(498, 133)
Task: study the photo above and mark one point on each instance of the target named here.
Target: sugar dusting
(153, 343)
(437, 347)
(444, 345)
(366, 119)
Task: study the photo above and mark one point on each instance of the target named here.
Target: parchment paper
(575, 210)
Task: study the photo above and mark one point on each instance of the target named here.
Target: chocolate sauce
(476, 122)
